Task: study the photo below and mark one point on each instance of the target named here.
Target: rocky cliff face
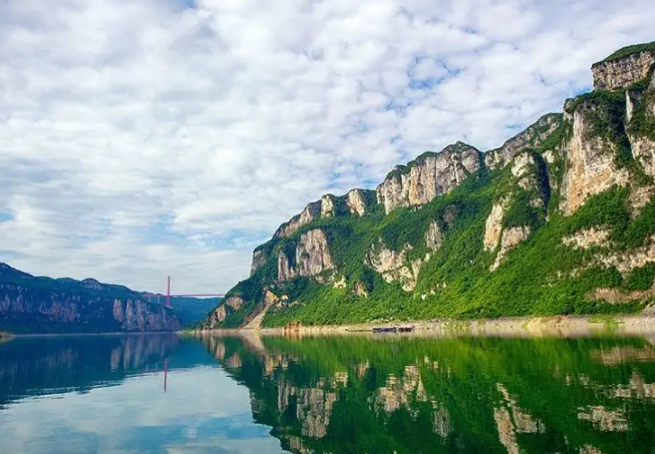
(310, 213)
(258, 259)
(29, 304)
(219, 314)
(624, 71)
(429, 176)
(357, 202)
(591, 159)
(394, 265)
(483, 228)
(312, 257)
(533, 137)
(640, 115)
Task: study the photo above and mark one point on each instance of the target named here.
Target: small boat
(405, 329)
(385, 329)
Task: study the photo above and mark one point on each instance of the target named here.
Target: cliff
(558, 220)
(624, 67)
(429, 176)
(31, 304)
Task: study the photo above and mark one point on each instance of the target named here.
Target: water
(384, 394)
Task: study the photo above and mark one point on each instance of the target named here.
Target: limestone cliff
(394, 265)
(312, 257)
(640, 116)
(537, 220)
(429, 176)
(357, 202)
(219, 314)
(310, 213)
(258, 259)
(591, 157)
(624, 68)
(37, 305)
(532, 137)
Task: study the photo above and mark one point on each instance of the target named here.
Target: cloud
(154, 137)
(136, 417)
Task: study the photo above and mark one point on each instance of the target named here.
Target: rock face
(524, 171)
(312, 257)
(29, 304)
(219, 314)
(494, 227)
(628, 261)
(394, 265)
(309, 214)
(534, 136)
(433, 237)
(135, 315)
(640, 111)
(258, 259)
(591, 158)
(512, 237)
(429, 176)
(621, 73)
(356, 202)
(328, 206)
(585, 239)
(644, 150)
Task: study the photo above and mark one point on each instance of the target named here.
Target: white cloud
(210, 411)
(145, 138)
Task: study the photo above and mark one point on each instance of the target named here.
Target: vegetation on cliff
(560, 220)
(629, 50)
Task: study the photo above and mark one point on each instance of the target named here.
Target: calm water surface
(164, 394)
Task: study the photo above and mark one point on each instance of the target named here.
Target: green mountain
(193, 310)
(559, 220)
(30, 304)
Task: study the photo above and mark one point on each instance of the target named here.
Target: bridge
(168, 295)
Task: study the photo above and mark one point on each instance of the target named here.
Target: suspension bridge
(168, 296)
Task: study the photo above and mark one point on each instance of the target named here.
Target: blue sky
(146, 138)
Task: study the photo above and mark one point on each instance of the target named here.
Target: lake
(358, 394)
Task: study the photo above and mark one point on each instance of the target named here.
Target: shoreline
(109, 333)
(555, 326)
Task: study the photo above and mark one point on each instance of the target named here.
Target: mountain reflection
(464, 395)
(49, 365)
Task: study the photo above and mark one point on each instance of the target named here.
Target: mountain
(559, 220)
(190, 310)
(31, 304)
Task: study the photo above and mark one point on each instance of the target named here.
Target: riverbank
(559, 326)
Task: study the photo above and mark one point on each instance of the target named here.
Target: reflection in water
(47, 365)
(122, 394)
(465, 395)
(336, 395)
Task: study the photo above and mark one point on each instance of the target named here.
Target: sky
(203, 411)
(150, 138)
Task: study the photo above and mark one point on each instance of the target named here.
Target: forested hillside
(559, 220)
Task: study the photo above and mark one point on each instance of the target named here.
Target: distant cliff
(31, 304)
(558, 220)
